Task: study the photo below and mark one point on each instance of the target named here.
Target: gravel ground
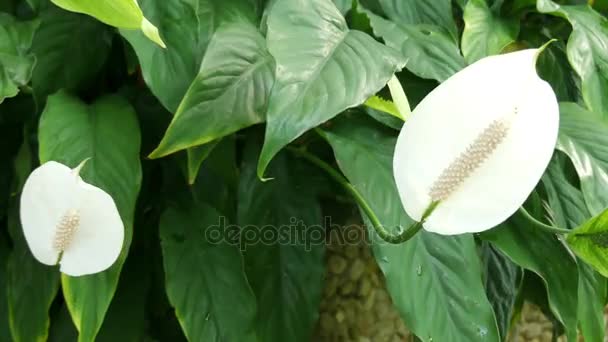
(357, 307)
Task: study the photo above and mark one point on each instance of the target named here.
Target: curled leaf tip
(151, 32)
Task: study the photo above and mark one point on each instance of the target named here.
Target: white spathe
(52, 191)
(448, 120)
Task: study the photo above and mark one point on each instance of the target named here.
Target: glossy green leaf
(485, 32)
(119, 13)
(30, 288)
(590, 242)
(71, 131)
(436, 12)
(322, 68)
(230, 92)
(553, 67)
(587, 51)
(502, 279)
(204, 277)
(543, 254)
(186, 27)
(70, 49)
(16, 62)
(568, 210)
(430, 52)
(343, 5)
(443, 271)
(583, 136)
(286, 275)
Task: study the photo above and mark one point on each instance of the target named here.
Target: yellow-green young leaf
(71, 131)
(387, 106)
(124, 14)
(590, 242)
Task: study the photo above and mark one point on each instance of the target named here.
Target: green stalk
(536, 223)
(382, 232)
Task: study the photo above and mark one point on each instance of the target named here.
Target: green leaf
(589, 241)
(443, 272)
(553, 67)
(196, 156)
(430, 52)
(502, 279)
(286, 275)
(587, 51)
(322, 68)
(386, 106)
(568, 209)
(16, 62)
(71, 131)
(343, 5)
(205, 279)
(436, 12)
(70, 49)
(229, 93)
(30, 288)
(583, 136)
(119, 13)
(546, 256)
(485, 32)
(187, 27)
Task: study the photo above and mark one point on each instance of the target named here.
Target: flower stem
(540, 225)
(382, 232)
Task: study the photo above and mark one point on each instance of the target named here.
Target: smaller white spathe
(63, 215)
(483, 138)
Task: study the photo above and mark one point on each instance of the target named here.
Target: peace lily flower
(69, 221)
(477, 145)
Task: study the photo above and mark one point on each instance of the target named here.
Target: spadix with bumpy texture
(478, 144)
(69, 221)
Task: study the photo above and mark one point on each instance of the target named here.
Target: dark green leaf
(436, 12)
(583, 136)
(569, 210)
(71, 131)
(30, 288)
(485, 32)
(323, 68)
(186, 28)
(286, 274)
(70, 49)
(586, 50)
(430, 52)
(502, 281)
(196, 156)
(230, 92)
(443, 272)
(545, 255)
(16, 62)
(5, 333)
(204, 277)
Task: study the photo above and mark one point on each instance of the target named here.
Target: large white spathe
(501, 95)
(63, 215)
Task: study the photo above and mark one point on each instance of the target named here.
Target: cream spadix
(68, 220)
(478, 143)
